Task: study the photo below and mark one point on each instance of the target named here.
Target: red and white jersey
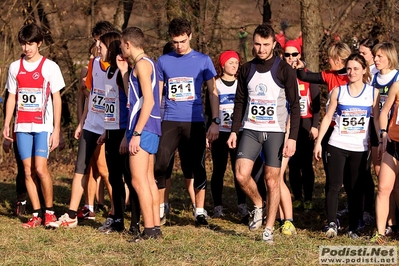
(32, 83)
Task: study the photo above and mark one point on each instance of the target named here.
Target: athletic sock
(72, 214)
(37, 213)
(199, 211)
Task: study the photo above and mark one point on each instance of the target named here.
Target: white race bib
(353, 122)
(262, 111)
(181, 89)
(30, 99)
(98, 101)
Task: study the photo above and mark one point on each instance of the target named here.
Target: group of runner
(264, 113)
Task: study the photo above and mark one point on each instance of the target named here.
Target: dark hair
(135, 36)
(113, 41)
(265, 31)
(179, 26)
(369, 43)
(362, 61)
(168, 47)
(30, 33)
(102, 27)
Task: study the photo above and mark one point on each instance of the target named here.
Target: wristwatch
(216, 120)
(382, 131)
(136, 134)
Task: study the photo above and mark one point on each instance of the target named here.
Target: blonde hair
(390, 51)
(339, 50)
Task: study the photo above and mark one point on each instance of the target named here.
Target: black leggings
(190, 136)
(349, 168)
(301, 172)
(118, 165)
(220, 151)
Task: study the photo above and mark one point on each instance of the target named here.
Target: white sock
(91, 208)
(199, 211)
(50, 212)
(161, 209)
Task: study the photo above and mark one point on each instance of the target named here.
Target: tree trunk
(54, 38)
(267, 12)
(312, 31)
(122, 14)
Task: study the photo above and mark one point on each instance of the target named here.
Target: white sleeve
(52, 73)
(11, 84)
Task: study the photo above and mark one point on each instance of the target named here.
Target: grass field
(223, 242)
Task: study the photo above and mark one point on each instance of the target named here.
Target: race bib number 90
(181, 89)
(30, 99)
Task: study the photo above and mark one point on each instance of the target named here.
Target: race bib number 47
(181, 89)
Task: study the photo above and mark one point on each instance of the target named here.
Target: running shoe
(267, 236)
(243, 213)
(257, 218)
(353, 235)
(33, 222)
(107, 225)
(378, 239)
(390, 231)
(326, 227)
(332, 230)
(200, 220)
(20, 208)
(49, 218)
(288, 228)
(86, 214)
(218, 212)
(64, 221)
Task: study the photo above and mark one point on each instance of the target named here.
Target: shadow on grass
(61, 201)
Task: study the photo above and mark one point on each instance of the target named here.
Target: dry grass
(224, 242)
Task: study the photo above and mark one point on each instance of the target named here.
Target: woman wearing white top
(347, 147)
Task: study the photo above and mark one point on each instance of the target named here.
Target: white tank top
(352, 120)
(266, 109)
(227, 95)
(95, 116)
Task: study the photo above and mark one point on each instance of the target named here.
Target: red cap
(295, 44)
(227, 55)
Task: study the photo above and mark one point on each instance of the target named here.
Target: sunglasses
(293, 54)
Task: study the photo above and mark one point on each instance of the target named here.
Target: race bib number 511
(181, 89)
